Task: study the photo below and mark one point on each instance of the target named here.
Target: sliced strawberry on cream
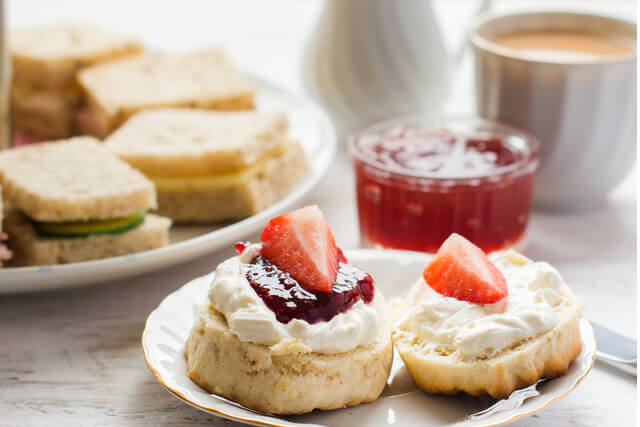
(463, 271)
(301, 244)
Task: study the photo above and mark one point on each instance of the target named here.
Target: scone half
(285, 382)
(545, 356)
(454, 344)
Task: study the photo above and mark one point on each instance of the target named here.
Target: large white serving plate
(309, 125)
(401, 402)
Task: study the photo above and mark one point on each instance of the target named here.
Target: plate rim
(583, 321)
(197, 245)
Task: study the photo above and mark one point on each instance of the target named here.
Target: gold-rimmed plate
(401, 402)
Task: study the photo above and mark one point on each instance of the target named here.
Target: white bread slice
(285, 382)
(205, 80)
(189, 142)
(31, 249)
(547, 355)
(258, 189)
(51, 56)
(75, 179)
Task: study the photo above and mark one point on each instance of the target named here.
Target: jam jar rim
(527, 164)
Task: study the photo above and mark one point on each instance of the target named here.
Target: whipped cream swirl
(537, 295)
(251, 320)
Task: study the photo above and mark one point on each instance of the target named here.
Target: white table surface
(74, 358)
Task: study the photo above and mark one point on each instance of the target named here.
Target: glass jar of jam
(418, 183)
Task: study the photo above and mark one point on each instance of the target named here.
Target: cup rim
(481, 42)
(529, 162)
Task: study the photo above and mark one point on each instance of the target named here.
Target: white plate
(309, 125)
(401, 402)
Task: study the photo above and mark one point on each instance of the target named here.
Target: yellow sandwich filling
(217, 181)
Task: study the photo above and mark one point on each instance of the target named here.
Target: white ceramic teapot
(369, 59)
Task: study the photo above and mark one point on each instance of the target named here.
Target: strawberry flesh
(463, 271)
(301, 244)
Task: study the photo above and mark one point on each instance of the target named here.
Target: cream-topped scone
(486, 325)
(290, 326)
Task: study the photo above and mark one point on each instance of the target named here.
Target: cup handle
(483, 6)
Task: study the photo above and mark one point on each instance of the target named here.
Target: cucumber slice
(75, 229)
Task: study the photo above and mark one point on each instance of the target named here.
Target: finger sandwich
(117, 90)
(45, 94)
(211, 166)
(73, 200)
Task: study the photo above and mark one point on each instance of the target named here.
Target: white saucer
(401, 402)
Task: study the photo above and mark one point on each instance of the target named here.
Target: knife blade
(615, 350)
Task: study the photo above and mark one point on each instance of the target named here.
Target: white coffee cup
(583, 111)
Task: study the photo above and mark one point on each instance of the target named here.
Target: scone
(486, 325)
(211, 166)
(290, 326)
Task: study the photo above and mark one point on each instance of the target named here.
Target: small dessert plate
(401, 403)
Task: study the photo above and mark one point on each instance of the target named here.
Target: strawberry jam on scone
(486, 324)
(300, 273)
(290, 325)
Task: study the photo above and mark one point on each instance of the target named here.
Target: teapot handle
(483, 6)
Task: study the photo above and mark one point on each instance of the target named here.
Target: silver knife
(615, 349)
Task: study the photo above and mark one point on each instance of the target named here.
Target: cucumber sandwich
(73, 200)
(71, 229)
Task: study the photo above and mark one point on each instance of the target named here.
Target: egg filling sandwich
(73, 200)
(211, 166)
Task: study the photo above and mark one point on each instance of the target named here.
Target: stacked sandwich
(117, 90)
(211, 166)
(45, 95)
(73, 201)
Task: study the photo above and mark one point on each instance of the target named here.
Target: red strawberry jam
(288, 300)
(416, 186)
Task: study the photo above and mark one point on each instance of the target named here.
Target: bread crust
(31, 249)
(263, 188)
(546, 356)
(43, 123)
(262, 379)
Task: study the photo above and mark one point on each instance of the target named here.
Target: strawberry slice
(463, 271)
(301, 244)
